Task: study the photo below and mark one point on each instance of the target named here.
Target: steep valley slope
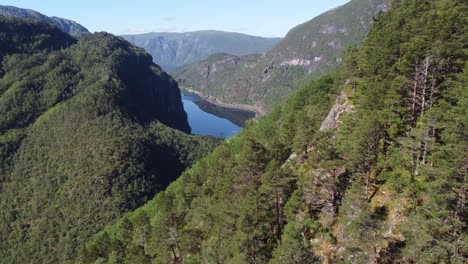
(308, 50)
(366, 165)
(89, 130)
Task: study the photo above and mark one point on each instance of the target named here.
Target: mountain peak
(68, 26)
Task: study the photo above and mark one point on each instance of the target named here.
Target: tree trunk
(462, 193)
(278, 217)
(175, 259)
(367, 184)
(414, 96)
(424, 85)
(425, 139)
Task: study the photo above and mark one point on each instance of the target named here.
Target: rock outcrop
(340, 108)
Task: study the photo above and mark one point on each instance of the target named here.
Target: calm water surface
(203, 123)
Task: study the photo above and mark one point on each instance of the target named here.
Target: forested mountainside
(66, 25)
(381, 178)
(308, 50)
(173, 50)
(87, 133)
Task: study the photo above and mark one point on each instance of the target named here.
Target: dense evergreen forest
(382, 180)
(89, 130)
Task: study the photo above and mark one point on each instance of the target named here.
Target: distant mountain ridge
(68, 26)
(172, 50)
(308, 50)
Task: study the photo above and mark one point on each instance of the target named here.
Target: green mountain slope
(87, 133)
(66, 25)
(380, 179)
(172, 50)
(16, 37)
(308, 50)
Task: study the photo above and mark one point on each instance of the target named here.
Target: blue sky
(269, 18)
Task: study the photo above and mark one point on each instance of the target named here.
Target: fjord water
(203, 123)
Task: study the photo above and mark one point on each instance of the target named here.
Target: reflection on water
(236, 116)
(203, 123)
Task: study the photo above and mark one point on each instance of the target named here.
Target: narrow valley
(207, 132)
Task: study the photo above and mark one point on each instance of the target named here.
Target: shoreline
(217, 102)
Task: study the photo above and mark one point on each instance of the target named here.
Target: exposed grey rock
(333, 120)
(334, 117)
(333, 29)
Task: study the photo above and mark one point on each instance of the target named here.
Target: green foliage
(85, 136)
(388, 187)
(30, 36)
(294, 247)
(229, 206)
(404, 83)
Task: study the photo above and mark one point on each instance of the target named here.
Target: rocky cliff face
(308, 50)
(67, 26)
(340, 108)
(159, 98)
(172, 50)
(150, 94)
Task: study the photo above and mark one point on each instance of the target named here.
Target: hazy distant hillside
(172, 50)
(310, 49)
(68, 26)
